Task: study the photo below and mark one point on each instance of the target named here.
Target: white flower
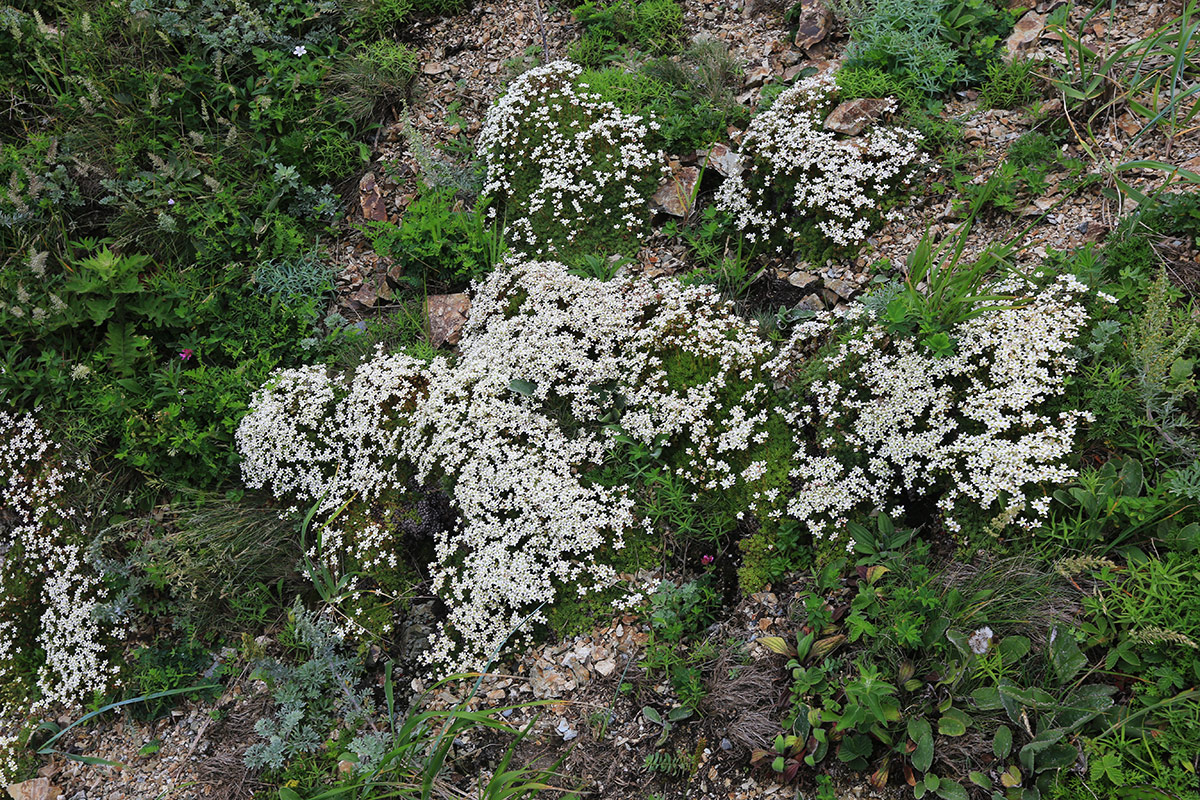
(980, 641)
(299, 50)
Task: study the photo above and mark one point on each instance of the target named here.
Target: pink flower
(706, 560)
(185, 354)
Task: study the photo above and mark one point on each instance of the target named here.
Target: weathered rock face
(1024, 34)
(853, 116)
(676, 194)
(814, 24)
(447, 315)
(36, 789)
(370, 200)
(726, 162)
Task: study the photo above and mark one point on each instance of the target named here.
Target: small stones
(726, 162)
(756, 77)
(802, 280)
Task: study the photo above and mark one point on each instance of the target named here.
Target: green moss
(572, 615)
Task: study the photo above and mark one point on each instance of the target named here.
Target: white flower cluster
(797, 169)
(36, 548)
(565, 158)
(893, 419)
(515, 424)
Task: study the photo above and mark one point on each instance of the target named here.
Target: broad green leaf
(1014, 648)
(522, 387)
(951, 790)
(1084, 704)
(1002, 742)
(987, 699)
(1065, 657)
(953, 722)
(920, 732)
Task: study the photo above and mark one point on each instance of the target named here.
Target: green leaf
(1014, 648)
(1065, 657)
(920, 732)
(951, 790)
(288, 794)
(652, 715)
(99, 309)
(523, 387)
(1084, 704)
(1038, 744)
(1141, 793)
(1002, 742)
(124, 347)
(953, 722)
(1057, 756)
(987, 698)
(776, 644)
(979, 779)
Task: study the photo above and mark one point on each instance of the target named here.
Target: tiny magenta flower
(185, 354)
(706, 560)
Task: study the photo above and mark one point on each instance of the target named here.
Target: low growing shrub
(571, 171)
(803, 178)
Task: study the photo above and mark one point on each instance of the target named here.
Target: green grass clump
(653, 26)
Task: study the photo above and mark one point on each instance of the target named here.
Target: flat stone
(852, 116)
(36, 789)
(843, 289)
(676, 195)
(447, 315)
(757, 76)
(1024, 34)
(802, 280)
(434, 68)
(726, 162)
(606, 667)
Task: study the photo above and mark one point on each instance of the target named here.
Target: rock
(811, 302)
(36, 789)
(677, 193)
(813, 25)
(447, 314)
(726, 744)
(841, 288)
(370, 200)
(802, 280)
(434, 68)
(1024, 34)
(345, 767)
(606, 667)
(757, 76)
(852, 116)
(726, 162)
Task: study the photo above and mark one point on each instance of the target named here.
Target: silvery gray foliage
(311, 697)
